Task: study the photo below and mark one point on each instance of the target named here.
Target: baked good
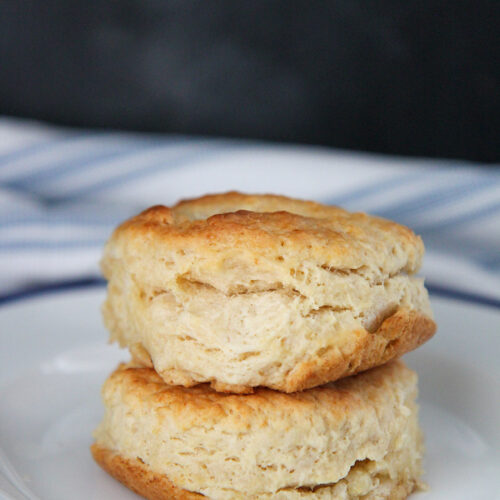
(357, 438)
(244, 291)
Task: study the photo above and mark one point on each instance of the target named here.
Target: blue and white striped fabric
(62, 192)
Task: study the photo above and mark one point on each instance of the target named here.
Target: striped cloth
(62, 191)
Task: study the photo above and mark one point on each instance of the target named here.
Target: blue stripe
(40, 245)
(458, 244)
(66, 166)
(94, 159)
(436, 197)
(491, 261)
(377, 187)
(452, 222)
(453, 293)
(59, 286)
(7, 158)
(62, 219)
(182, 159)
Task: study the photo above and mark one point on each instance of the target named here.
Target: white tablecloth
(63, 190)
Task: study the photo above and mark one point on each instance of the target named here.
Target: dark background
(404, 77)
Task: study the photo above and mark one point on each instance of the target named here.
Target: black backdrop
(405, 77)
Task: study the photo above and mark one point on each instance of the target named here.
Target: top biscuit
(274, 227)
(246, 290)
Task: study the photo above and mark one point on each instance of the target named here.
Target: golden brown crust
(225, 202)
(139, 478)
(192, 405)
(402, 332)
(271, 225)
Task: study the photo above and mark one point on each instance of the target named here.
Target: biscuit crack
(325, 308)
(189, 285)
(359, 271)
(356, 489)
(363, 272)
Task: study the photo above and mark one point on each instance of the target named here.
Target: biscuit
(244, 291)
(357, 438)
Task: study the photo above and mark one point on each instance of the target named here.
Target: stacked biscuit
(264, 333)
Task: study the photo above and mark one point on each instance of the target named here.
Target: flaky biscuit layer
(356, 438)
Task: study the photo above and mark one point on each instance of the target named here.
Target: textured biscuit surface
(244, 291)
(357, 438)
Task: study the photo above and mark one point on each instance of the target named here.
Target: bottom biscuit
(356, 439)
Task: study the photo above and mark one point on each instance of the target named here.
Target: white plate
(54, 357)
